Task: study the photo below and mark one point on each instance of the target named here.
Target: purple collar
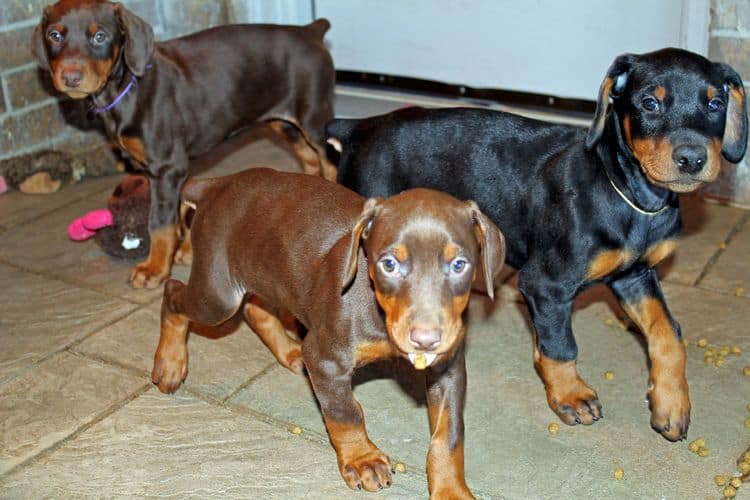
(120, 96)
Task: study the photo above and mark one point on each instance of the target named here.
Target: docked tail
(338, 132)
(319, 27)
(194, 191)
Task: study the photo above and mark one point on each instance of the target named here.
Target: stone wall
(730, 42)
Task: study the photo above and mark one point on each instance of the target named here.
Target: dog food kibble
(609, 375)
(724, 350)
(721, 479)
(709, 360)
(736, 350)
(729, 492)
(609, 322)
(746, 371)
(297, 430)
(399, 467)
(736, 482)
(739, 292)
(702, 342)
(743, 467)
(694, 446)
(703, 452)
(619, 473)
(553, 428)
(420, 361)
(747, 423)
(723, 245)
(711, 351)
(720, 362)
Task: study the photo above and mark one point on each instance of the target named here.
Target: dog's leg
(184, 254)
(642, 299)
(446, 393)
(361, 463)
(550, 305)
(162, 225)
(272, 332)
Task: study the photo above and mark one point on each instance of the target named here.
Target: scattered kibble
(746, 456)
(420, 361)
(746, 371)
(622, 326)
(609, 322)
(609, 375)
(739, 292)
(702, 342)
(619, 473)
(724, 350)
(723, 245)
(736, 350)
(720, 362)
(747, 423)
(697, 444)
(297, 430)
(711, 351)
(686, 342)
(721, 479)
(729, 492)
(743, 467)
(553, 428)
(399, 467)
(736, 482)
(709, 360)
(703, 452)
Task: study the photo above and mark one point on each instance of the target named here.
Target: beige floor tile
(49, 403)
(731, 272)
(42, 316)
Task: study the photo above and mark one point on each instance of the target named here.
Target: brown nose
(72, 77)
(425, 337)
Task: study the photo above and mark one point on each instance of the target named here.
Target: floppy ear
(734, 142)
(38, 47)
(492, 245)
(139, 40)
(361, 230)
(612, 86)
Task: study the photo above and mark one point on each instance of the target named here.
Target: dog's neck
(626, 176)
(120, 84)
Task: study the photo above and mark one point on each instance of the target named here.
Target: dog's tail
(319, 27)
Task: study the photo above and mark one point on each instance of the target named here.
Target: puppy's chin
(682, 185)
(76, 94)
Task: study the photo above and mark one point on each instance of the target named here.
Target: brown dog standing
(261, 232)
(163, 103)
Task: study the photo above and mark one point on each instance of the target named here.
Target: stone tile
(733, 51)
(28, 87)
(3, 106)
(49, 403)
(705, 226)
(16, 47)
(731, 272)
(20, 10)
(31, 128)
(180, 447)
(42, 316)
(221, 359)
(730, 14)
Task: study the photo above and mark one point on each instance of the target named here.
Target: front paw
(184, 254)
(575, 404)
(147, 275)
(170, 368)
(452, 493)
(370, 470)
(670, 409)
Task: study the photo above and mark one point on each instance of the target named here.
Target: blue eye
(715, 104)
(99, 38)
(459, 265)
(389, 266)
(55, 36)
(650, 103)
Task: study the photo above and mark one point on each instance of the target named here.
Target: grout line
(715, 257)
(80, 430)
(247, 383)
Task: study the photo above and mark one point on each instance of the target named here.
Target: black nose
(690, 159)
(425, 337)
(72, 78)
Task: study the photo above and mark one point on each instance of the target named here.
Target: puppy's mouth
(684, 184)
(421, 360)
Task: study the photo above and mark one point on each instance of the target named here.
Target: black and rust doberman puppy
(163, 103)
(294, 241)
(576, 206)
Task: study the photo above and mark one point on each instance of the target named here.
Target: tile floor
(79, 416)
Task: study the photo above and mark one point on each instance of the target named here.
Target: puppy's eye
(99, 38)
(650, 103)
(715, 104)
(459, 265)
(55, 36)
(389, 266)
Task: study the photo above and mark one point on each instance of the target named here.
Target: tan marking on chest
(134, 147)
(373, 351)
(607, 262)
(660, 251)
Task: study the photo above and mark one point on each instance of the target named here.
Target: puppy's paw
(670, 409)
(455, 493)
(170, 369)
(370, 470)
(146, 275)
(294, 361)
(184, 254)
(575, 404)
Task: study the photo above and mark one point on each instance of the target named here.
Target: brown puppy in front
(163, 103)
(295, 241)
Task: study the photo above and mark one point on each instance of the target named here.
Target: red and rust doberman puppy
(369, 279)
(163, 103)
(576, 206)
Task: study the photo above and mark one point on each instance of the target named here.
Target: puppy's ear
(492, 245)
(361, 230)
(38, 46)
(139, 40)
(612, 87)
(734, 142)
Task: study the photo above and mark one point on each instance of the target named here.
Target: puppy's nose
(425, 337)
(72, 78)
(690, 159)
